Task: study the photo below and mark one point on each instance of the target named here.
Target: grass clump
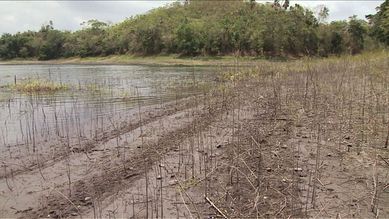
(39, 86)
(94, 88)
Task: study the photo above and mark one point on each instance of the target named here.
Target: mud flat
(281, 140)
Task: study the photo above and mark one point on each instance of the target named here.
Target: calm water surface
(97, 94)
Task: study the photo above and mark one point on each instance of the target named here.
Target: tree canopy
(380, 23)
(206, 28)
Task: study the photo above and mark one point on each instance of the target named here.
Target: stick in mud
(215, 207)
(160, 187)
(145, 159)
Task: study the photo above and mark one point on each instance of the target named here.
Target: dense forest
(209, 28)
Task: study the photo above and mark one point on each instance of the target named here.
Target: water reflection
(98, 95)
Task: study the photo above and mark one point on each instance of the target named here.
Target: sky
(18, 16)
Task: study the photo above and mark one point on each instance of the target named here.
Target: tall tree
(380, 23)
(323, 13)
(357, 33)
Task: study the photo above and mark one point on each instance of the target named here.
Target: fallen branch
(215, 207)
(70, 201)
(383, 159)
(373, 203)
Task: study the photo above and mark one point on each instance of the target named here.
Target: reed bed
(39, 86)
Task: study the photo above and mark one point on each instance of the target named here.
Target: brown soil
(251, 149)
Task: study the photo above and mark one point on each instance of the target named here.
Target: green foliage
(188, 39)
(205, 28)
(356, 31)
(380, 23)
(51, 47)
(38, 86)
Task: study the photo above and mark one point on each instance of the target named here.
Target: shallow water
(98, 94)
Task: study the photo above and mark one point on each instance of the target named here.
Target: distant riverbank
(168, 60)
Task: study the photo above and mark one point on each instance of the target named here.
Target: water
(99, 95)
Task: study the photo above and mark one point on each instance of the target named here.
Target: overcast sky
(67, 15)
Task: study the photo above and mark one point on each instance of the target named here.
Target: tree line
(193, 27)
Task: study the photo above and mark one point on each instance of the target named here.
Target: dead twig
(383, 159)
(215, 207)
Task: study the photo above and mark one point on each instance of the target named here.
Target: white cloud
(67, 15)
(342, 10)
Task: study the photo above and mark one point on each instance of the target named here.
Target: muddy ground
(251, 149)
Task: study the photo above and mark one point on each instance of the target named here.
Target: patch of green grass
(38, 86)
(187, 184)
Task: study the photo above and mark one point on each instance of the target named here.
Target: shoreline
(168, 60)
(176, 60)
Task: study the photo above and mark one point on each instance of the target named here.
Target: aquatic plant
(38, 86)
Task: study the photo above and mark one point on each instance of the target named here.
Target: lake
(98, 95)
